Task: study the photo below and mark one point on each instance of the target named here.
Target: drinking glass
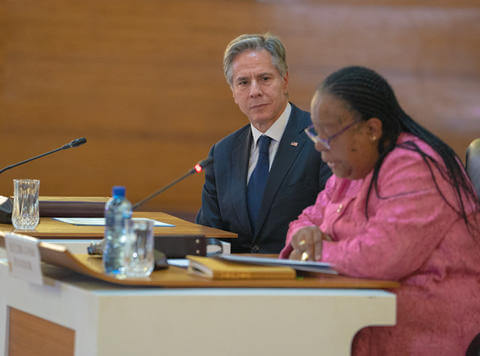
(140, 234)
(25, 215)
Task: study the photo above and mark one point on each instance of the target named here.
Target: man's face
(258, 88)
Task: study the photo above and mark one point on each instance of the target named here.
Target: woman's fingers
(307, 244)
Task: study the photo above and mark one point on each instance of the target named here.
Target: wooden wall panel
(34, 336)
(143, 81)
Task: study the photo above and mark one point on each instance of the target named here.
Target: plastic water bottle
(118, 211)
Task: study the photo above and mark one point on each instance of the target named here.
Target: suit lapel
(290, 146)
(239, 162)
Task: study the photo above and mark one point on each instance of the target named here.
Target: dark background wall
(143, 80)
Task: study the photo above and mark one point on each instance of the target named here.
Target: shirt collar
(275, 132)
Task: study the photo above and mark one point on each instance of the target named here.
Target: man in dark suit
(266, 173)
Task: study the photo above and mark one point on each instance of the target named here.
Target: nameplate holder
(24, 257)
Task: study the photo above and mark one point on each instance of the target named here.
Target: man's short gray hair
(267, 41)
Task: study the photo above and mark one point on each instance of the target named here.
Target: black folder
(178, 246)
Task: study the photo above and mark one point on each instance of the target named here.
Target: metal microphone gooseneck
(200, 166)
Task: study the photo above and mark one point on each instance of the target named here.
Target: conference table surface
(53, 229)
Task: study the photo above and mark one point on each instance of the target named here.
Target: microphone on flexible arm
(96, 248)
(6, 203)
(198, 168)
(74, 143)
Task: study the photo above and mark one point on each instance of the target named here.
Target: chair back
(473, 164)
(474, 348)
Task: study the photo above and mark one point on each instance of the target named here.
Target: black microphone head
(200, 166)
(75, 143)
(78, 142)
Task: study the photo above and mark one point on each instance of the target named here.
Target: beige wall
(142, 80)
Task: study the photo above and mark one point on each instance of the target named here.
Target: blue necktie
(258, 180)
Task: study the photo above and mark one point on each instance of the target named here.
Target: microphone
(198, 168)
(6, 203)
(74, 143)
(96, 248)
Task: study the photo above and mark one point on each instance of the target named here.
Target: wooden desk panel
(175, 277)
(34, 336)
(49, 228)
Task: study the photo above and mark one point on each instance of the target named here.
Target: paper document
(178, 262)
(101, 221)
(308, 266)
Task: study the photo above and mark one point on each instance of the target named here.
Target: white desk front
(112, 320)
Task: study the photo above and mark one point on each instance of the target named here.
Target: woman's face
(354, 152)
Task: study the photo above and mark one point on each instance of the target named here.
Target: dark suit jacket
(296, 176)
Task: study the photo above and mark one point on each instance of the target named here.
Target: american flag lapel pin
(294, 143)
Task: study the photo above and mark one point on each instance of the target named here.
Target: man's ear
(233, 95)
(285, 83)
(375, 128)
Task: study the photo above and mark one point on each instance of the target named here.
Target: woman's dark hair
(368, 93)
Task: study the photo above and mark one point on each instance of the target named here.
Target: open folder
(215, 268)
(306, 266)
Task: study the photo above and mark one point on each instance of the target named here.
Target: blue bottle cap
(118, 191)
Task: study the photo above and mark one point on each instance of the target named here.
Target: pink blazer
(413, 236)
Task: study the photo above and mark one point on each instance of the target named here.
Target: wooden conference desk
(53, 229)
(74, 314)
(71, 314)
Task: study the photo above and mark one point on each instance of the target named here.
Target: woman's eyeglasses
(325, 142)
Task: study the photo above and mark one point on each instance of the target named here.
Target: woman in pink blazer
(399, 206)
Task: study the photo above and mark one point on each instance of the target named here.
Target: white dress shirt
(275, 132)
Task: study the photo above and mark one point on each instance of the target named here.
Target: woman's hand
(307, 244)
